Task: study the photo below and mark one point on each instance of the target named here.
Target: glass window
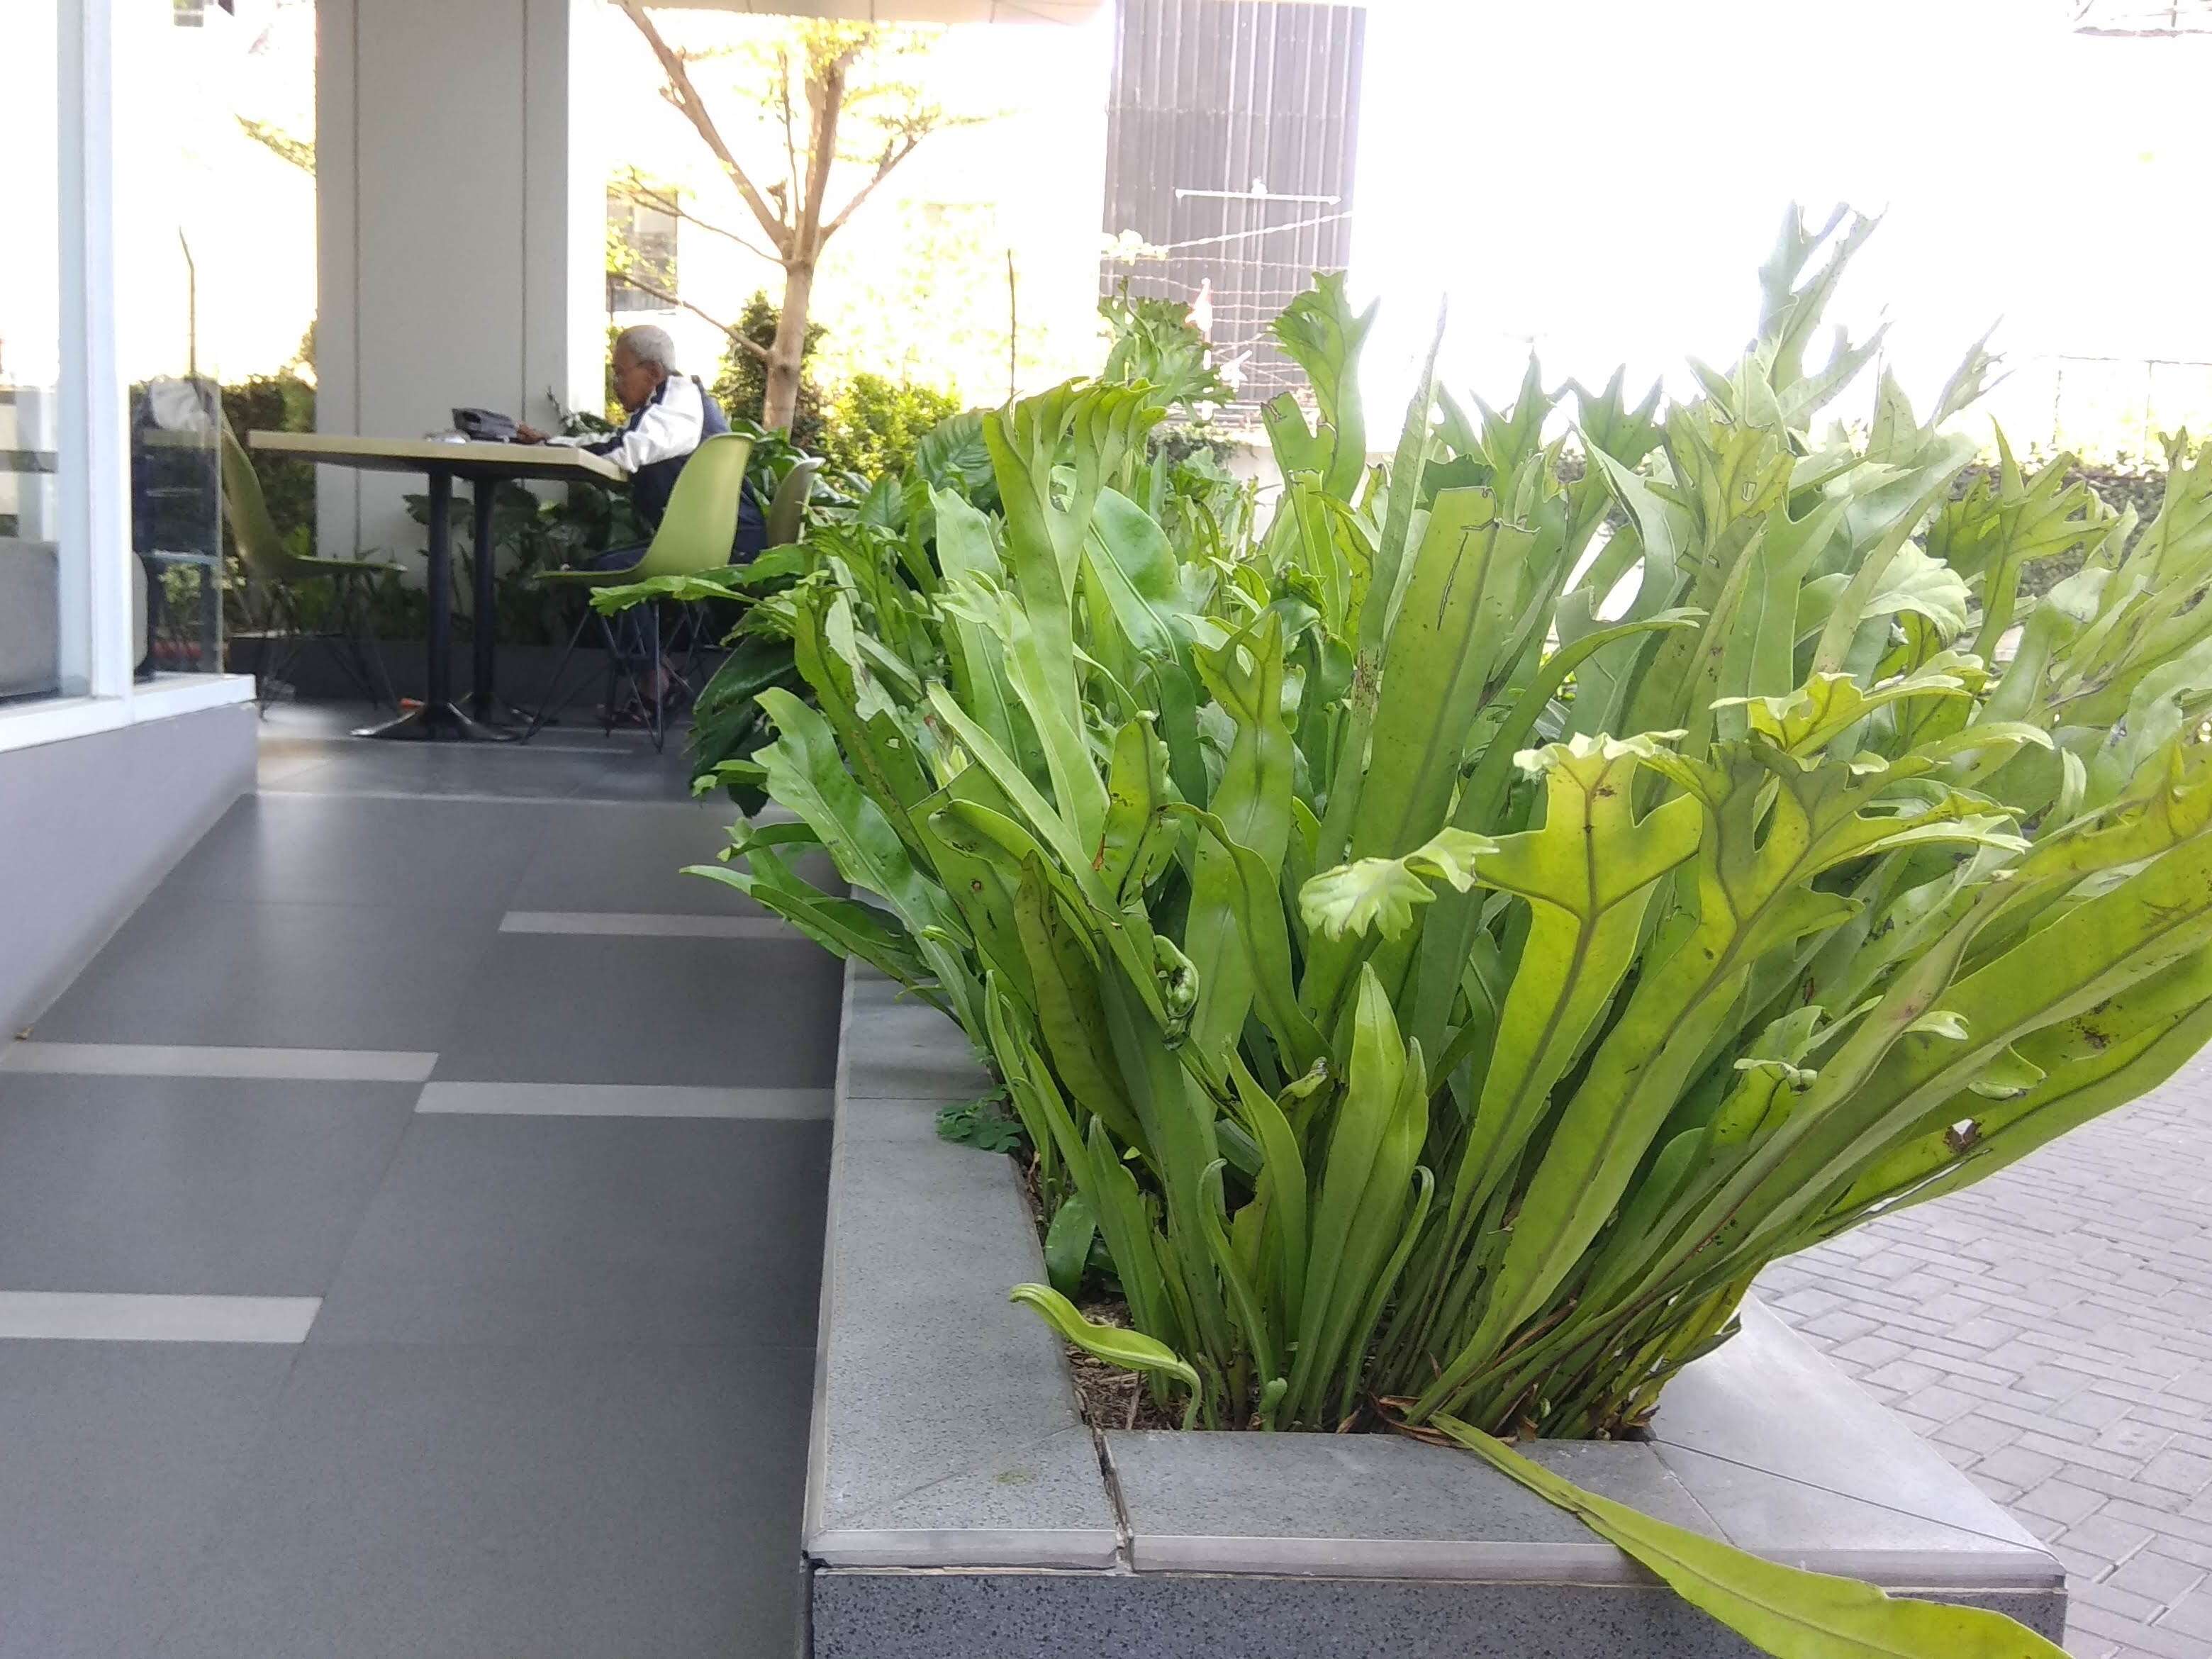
(640, 245)
(215, 287)
(42, 576)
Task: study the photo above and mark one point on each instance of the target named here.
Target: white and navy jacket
(657, 440)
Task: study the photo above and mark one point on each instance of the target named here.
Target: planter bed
(958, 1507)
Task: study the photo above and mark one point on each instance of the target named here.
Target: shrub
(1438, 981)
(872, 424)
(283, 402)
(1444, 944)
(2124, 483)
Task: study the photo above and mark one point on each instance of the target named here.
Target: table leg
(437, 719)
(483, 666)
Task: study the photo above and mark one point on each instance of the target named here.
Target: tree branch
(300, 152)
(685, 96)
(894, 153)
(790, 123)
(825, 101)
(744, 342)
(637, 191)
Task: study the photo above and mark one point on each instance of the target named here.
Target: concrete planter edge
(956, 1504)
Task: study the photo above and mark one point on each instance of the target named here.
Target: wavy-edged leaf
(1381, 894)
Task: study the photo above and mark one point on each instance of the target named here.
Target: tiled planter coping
(957, 1507)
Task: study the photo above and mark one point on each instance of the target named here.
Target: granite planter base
(958, 1507)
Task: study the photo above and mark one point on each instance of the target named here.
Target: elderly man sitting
(671, 415)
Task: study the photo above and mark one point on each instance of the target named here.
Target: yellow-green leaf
(1783, 1611)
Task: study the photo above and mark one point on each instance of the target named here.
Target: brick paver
(2051, 1332)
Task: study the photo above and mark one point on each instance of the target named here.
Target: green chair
(786, 513)
(785, 521)
(695, 536)
(282, 573)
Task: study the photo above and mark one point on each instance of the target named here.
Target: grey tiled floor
(2051, 1332)
(555, 1401)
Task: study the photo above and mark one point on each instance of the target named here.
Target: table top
(557, 462)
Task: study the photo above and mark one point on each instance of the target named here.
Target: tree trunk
(780, 401)
(825, 100)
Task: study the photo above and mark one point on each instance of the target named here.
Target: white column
(96, 655)
(459, 229)
(564, 162)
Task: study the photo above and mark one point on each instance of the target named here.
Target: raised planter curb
(945, 1428)
(956, 1506)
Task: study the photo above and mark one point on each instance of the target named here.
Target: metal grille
(1231, 134)
(2143, 17)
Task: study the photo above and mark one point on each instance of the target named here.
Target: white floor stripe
(628, 924)
(707, 807)
(85, 1316)
(472, 798)
(159, 1060)
(622, 1100)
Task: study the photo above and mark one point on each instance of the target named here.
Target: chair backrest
(248, 509)
(786, 513)
(700, 528)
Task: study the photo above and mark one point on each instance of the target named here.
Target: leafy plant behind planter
(1450, 950)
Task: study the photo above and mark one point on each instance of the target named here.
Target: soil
(1112, 1398)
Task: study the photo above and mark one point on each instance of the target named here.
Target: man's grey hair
(648, 343)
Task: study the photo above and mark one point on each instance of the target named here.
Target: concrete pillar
(460, 190)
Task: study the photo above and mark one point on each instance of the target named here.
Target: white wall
(459, 252)
(88, 828)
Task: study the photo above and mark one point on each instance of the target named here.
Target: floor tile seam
(344, 1254)
(212, 1523)
(375, 1189)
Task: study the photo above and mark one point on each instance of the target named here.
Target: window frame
(93, 468)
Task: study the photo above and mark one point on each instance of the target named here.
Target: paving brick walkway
(2050, 1330)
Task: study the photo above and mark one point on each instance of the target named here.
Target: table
(486, 465)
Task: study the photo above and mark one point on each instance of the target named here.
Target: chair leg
(546, 710)
(609, 638)
(621, 669)
(375, 649)
(660, 684)
(281, 609)
(695, 626)
(358, 622)
(338, 645)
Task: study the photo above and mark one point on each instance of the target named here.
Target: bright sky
(1603, 177)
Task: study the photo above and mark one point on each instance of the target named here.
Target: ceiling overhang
(905, 11)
